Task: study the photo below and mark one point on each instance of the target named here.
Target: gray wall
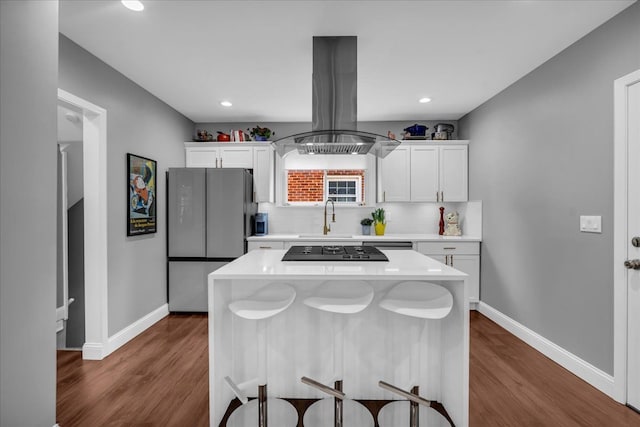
(138, 123)
(541, 155)
(28, 82)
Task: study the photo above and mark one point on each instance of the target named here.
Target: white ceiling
(257, 54)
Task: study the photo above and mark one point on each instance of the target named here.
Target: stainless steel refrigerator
(210, 215)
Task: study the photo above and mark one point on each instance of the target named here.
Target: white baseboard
(136, 328)
(584, 370)
(93, 351)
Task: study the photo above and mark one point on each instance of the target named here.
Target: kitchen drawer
(448, 248)
(273, 244)
(323, 242)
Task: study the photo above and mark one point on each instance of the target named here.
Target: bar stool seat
(266, 302)
(345, 297)
(418, 299)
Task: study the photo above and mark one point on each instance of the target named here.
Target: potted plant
(379, 221)
(366, 226)
(260, 134)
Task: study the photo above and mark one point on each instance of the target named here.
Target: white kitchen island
(377, 342)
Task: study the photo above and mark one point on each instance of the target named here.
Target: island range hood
(335, 99)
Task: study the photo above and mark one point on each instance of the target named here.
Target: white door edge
(620, 238)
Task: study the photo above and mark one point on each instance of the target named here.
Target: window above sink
(310, 180)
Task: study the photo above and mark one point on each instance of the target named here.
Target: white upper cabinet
(236, 157)
(424, 177)
(454, 170)
(224, 155)
(394, 178)
(263, 174)
(424, 172)
(258, 156)
(201, 157)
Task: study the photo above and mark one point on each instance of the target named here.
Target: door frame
(620, 236)
(94, 140)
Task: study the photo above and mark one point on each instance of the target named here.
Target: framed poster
(141, 199)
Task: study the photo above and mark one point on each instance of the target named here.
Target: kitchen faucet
(327, 227)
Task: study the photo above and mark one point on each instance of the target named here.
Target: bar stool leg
(337, 415)
(338, 347)
(262, 405)
(414, 408)
(262, 373)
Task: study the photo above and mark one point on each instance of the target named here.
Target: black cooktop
(334, 253)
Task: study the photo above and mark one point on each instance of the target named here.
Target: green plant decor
(366, 221)
(378, 216)
(259, 132)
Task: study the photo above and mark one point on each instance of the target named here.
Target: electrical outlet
(591, 224)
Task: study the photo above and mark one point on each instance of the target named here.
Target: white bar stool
(263, 304)
(426, 301)
(338, 297)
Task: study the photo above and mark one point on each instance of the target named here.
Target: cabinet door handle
(254, 196)
(442, 196)
(216, 162)
(449, 249)
(384, 196)
(220, 161)
(446, 259)
(266, 247)
(451, 260)
(437, 196)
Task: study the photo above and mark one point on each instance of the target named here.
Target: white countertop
(364, 238)
(402, 264)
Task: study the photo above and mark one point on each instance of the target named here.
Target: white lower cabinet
(463, 256)
(287, 245)
(251, 245)
(279, 244)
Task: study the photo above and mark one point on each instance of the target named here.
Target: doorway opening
(70, 318)
(94, 239)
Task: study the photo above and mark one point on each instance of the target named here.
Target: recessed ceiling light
(424, 100)
(226, 103)
(134, 5)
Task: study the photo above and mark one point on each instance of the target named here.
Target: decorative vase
(366, 230)
(379, 228)
(441, 224)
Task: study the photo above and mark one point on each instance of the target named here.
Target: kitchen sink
(325, 236)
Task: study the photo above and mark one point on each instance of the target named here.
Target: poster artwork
(141, 212)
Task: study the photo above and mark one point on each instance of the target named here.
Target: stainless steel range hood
(335, 111)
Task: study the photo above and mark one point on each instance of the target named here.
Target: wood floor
(160, 379)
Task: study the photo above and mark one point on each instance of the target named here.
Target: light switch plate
(591, 223)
